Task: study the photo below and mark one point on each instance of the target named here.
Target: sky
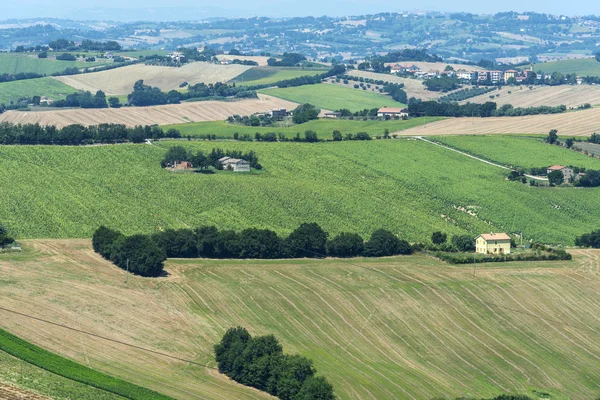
(198, 9)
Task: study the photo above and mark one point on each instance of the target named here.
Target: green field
(12, 91)
(580, 66)
(12, 63)
(393, 328)
(525, 152)
(267, 75)
(332, 97)
(410, 187)
(323, 127)
(71, 370)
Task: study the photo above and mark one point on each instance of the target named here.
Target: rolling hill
(13, 63)
(53, 89)
(579, 66)
(521, 96)
(345, 186)
(404, 327)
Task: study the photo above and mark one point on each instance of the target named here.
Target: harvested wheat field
(437, 66)
(569, 95)
(13, 393)
(577, 123)
(413, 87)
(261, 60)
(120, 80)
(162, 115)
(404, 327)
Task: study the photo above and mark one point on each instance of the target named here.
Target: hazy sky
(197, 9)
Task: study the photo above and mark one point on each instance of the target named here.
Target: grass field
(579, 123)
(581, 67)
(519, 151)
(406, 327)
(349, 186)
(413, 87)
(161, 115)
(13, 63)
(12, 91)
(332, 97)
(72, 370)
(323, 127)
(267, 75)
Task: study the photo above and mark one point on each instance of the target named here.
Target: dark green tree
(556, 177)
(316, 388)
(103, 240)
(139, 254)
(463, 242)
(175, 153)
(552, 136)
(345, 245)
(337, 136)
(308, 240)
(384, 243)
(5, 239)
(304, 113)
(438, 238)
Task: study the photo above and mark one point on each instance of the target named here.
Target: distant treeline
(589, 240)
(147, 253)
(377, 63)
(487, 109)
(33, 134)
(259, 362)
(64, 44)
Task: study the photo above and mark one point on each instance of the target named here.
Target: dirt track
(580, 123)
(161, 115)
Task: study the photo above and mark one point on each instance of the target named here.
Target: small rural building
(108, 54)
(235, 164)
(278, 113)
(566, 171)
(182, 165)
(332, 115)
(392, 112)
(492, 243)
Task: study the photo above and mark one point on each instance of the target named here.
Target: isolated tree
(337, 136)
(175, 153)
(569, 142)
(308, 240)
(345, 245)
(463, 243)
(384, 243)
(4, 238)
(552, 136)
(438, 238)
(311, 136)
(556, 177)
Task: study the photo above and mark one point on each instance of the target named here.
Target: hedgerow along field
(267, 75)
(14, 63)
(61, 366)
(53, 89)
(323, 127)
(359, 187)
(333, 97)
(405, 327)
(525, 152)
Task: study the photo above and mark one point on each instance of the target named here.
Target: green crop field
(332, 97)
(525, 152)
(580, 66)
(410, 187)
(267, 75)
(394, 328)
(12, 63)
(71, 370)
(12, 91)
(323, 127)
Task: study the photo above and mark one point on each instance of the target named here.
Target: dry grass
(413, 87)
(569, 95)
(120, 80)
(407, 327)
(261, 60)
(580, 123)
(161, 115)
(13, 393)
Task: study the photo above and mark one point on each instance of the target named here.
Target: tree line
(487, 109)
(200, 160)
(64, 44)
(5, 238)
(589, 240)
(34, 134)
(147, 253)
(259, 362)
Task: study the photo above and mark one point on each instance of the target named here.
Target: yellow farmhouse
(492, 243)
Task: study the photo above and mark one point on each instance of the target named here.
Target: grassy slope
(11, 63)
(266, 75)
(332, 97)
(12, 91)
(582, 67)
(61, 366)
(406, 327)
(525, 152)
(349, 186)
(19, 373)
(323, 127)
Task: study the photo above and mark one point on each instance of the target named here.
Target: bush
(346, 245)
(384, 243)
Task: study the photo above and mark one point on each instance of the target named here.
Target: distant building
(332, 115)
(483, 76)
(235, 164)
(108, 54)
(492, 243)
(278, 113)
(511, 73)
(182, 165)
(394, 69)
(46, 101)
(392, 112)
(566, 171)
(465, 75)
(496, 76)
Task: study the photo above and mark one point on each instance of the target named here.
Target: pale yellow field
(577, 123)
(404, 327)
(522, 96)
(413, 87)
(437, 66)
(261, 60)
(120, 80)
(162, 115)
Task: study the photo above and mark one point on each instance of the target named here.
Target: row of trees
(487, 109)
(589, 240)
(200, 160)
(259, 362)
(287, 60)
(64, 44)
(441, 84)
(33, 134)
(84, 100)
